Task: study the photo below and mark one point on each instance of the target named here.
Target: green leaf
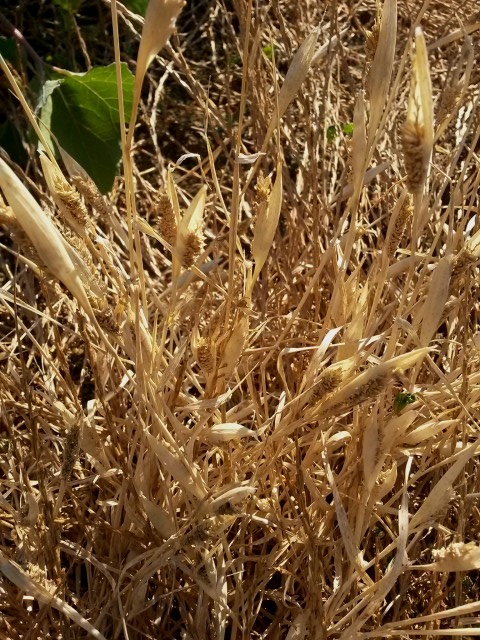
(401, 400)
(81, 112)
(268, 51)
(137, 6)
(347, 128)
(331, 132)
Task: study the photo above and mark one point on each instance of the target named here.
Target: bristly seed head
(193, 246)
(90, 192)
(371, 41)
(205, 356)
(414, 156)
(72, 448)
(167, 225)
(327, 383)
(72, 201)
(401, 223)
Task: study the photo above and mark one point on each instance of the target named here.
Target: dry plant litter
(240, 395)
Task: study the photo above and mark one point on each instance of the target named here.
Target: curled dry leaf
(229, 431)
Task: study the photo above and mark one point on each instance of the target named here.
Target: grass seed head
(417, 135)
(402, 222)
(165, 217)
(71, 450)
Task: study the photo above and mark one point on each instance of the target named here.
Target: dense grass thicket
(240, 393)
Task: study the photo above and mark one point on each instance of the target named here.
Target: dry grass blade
(266, 224)
(382, 66)
(15, 573)
(294, 356)
(158, 26)
(296, 74)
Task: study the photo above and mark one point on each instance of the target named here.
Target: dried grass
(203, 433)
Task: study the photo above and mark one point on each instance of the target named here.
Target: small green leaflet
(334, 129)
(401, 400)
(81, 112)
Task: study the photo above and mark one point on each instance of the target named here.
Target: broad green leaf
(82, 114)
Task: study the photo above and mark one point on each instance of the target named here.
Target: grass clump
(239, 394)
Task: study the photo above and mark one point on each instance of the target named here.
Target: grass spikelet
(417, 136)
(402, 222)
(458, 556)
(371, 382)
(192, 248)
(456, 86)
(72, 447)
(328, 381)
(165, 218)
(190, 231)
(371, 40)
(205, 355)
(66, 197)
(84, 184)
